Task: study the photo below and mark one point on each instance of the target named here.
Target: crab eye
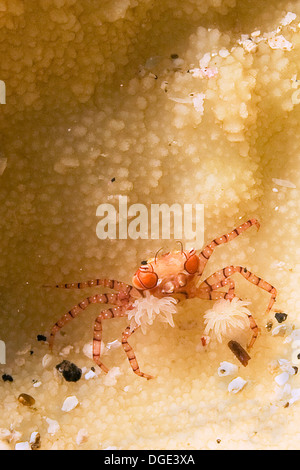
(144, 262)
(192, 262)
(145, 279)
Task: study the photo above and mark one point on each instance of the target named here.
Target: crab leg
(209, 249)
(215, 281)
(209, 292)
(115, 312)
(114, 299)
(130, 354)
(109, 283)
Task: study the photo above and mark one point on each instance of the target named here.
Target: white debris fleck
(206, 72)
(88, 350)
(46, 361)
(286, 366)
(90, 375)
(289, 17)
(22, 446)
(37, 384)
(279, 330)
(205, 60)
(224, 53)
(227, 368)
(236, 385)
(248, 44)
(198, 101)
(66, 350)
(113, 345)
(284, 183)
(82, 436)
(33, 437)
(53, 426)
(282, 379)
(70, 403)
(279, 42)
(111, 377)
(295, 392)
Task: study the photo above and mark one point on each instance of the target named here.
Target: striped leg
(209, 292)
(219, 277)
(109, 283)
(130, 354)
(114, 299)
(209, 249)
(115, 312)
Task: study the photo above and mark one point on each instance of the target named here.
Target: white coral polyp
(226, 318)
(146, 309)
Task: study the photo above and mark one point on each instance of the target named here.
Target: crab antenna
(178, 241)
(157, 254)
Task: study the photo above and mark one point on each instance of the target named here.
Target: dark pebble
(280, 317)
(239, 352)
(69, 371)
(41, 338)
(7, 378)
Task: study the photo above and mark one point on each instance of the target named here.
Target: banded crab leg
(115, 312)
(130, 353)
(208, 250)
(210, 293)
(215, 281)
(109, 283)
(120, 299)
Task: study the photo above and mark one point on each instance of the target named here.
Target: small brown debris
(269, 325)
(239, 352)
(26, 400)
(35, 441)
